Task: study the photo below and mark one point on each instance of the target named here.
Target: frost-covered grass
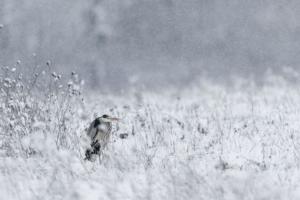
(38, 104)
(204, 143)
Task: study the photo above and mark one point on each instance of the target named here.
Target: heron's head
(107, 118)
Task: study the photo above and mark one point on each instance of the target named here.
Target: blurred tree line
(152, 42)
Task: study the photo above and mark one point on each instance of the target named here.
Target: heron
(99, 134)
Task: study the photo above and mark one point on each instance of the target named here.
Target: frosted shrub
(35, 109)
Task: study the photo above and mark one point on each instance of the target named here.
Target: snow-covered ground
(204, 143)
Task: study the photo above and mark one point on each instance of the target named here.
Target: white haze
(120, 44)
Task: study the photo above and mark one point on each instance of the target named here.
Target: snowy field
(203, 143)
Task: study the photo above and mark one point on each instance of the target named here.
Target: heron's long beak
(114, 119)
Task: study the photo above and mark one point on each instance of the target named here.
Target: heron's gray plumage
(99, 131)
(99, 134)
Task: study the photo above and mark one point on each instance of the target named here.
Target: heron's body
(99, 134)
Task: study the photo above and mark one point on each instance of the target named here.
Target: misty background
(142, 43)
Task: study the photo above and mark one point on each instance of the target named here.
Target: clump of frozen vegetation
(206, 143)
(37, 109)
